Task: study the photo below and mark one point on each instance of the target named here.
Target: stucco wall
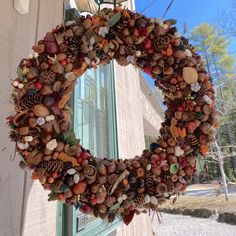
(24, 207)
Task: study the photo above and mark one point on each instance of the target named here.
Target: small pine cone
(131, 49)
(139, 200)
(30, 100)
(43, 57)
(67, 165)
(161, 42)
(150, 184)
(192, 140)
(47, 77)
(170, 187)
(14, 136)
(184, 41)
(52, 166)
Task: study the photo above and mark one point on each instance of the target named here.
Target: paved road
(177, 225)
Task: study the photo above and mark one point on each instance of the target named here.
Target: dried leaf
(114, 19)
(120, 178)
(174, 168)
(171, 21)
(185, 28)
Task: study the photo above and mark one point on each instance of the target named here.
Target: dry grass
(211, 203)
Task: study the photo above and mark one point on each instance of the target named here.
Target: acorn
(101, 197)
(24, 130)
(112, 178)
(102, 208)
(111, 168)
(172, 159)
(101, 169)
(135, 164)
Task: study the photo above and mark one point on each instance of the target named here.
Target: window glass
(94, 121)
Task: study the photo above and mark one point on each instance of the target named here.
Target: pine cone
(52, 166)
(161, 43)
(14, 136)
(139, 200)
(150, 184)
(131, 49)
(47, 77)
(30, 100)
(43, 57)
(192, 140)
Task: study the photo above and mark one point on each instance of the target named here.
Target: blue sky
(191, 12)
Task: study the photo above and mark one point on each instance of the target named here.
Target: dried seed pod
(90, 171)
(111, 168)
(112, 178)
(161, 188)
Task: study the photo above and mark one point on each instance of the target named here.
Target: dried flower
(131, 59)
(178, 151)
(50, 118)
(188, 53)
(177, 35)
(51, 145)
(103, 31)
(40, 121)
(28, 138)
(195, 86)
(20, 86)
(159, 21)
(22, 146)
(207, 99)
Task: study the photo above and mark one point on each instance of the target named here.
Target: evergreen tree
(213, 47)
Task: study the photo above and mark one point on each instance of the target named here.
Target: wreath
(42, 130)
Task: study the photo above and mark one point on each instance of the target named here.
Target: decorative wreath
(42, 128)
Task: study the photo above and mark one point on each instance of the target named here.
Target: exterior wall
(24, 207)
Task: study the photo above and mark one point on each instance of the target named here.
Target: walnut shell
(40, 111)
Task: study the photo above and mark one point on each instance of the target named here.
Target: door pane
(94, 121)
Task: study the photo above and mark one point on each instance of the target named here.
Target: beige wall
(24, 207)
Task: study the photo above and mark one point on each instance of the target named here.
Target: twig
(167, 9)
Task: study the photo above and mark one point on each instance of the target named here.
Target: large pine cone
(52, 166)
(150, 184)
(139, 200)
(30, 100)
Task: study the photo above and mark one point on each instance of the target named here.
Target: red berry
(38, 85)
(85, 155)
(63, 62)
(79, 159)
(94, 201)
(148, 44)
(68, 60)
